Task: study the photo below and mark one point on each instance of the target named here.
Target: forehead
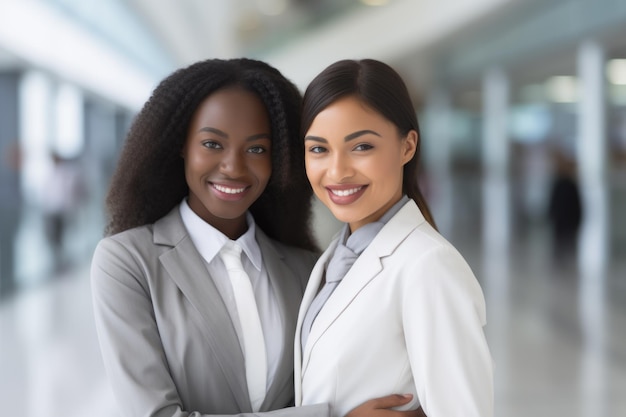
(231, 106)
(349, 113)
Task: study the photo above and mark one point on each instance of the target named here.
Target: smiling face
(227, 158)
(354, 159)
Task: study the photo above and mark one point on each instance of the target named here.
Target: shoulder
(145, 241)
(290, 254)
(426, 245)
(128, 242)
(296, 254)
(300, 261)
(128, 257)
(434, 266)
(427, 255)
(410, 231)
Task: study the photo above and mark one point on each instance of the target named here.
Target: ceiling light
(562, 89)
(616, 71)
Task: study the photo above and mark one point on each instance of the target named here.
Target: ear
(409, 146)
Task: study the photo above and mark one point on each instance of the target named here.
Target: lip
(345, 193)
(229, 191)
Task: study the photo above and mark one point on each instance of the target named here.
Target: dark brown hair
(150, 179)
(381, 88)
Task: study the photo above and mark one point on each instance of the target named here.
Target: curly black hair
(149, 179)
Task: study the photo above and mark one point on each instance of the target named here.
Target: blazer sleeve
(130, 344)
(443, 317)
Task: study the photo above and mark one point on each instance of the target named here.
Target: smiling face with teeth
(227, 158)
(354, 161)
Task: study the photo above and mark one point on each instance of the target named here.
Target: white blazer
(407, 318)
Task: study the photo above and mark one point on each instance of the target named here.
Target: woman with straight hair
(391, 306)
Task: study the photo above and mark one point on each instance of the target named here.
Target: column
(594, 246)
(592, 159)
(495, 155)
(10, 164)
(496, 217)
(69, 136)
(437, 148)
(68, 178)
(101, 152)
(37, 133)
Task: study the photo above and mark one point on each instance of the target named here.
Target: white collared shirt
(209, 241)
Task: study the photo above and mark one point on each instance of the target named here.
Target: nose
(233, 163)
(340, 167)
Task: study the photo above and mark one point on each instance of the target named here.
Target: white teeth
(343, 193)
(228, 190)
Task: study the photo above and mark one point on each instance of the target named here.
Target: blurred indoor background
(522, 105)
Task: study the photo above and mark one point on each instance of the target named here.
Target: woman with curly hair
(212, 161)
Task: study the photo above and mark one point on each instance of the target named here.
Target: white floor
(558, 341)
(49, 358)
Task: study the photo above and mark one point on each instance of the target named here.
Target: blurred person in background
(390, 304)
(565, 208)
(61, 196)
(212, 161)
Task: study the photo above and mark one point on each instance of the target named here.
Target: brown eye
(257, 149)
(363, 147)
(211, 144)
(317, 149)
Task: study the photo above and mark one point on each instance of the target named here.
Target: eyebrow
(214, 130)
(225, 135)
(355, 135)
(348, 138)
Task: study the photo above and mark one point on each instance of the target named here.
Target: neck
(233, 229)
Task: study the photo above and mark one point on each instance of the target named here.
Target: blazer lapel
(311, 291)
(366, 267)
(186, 268)
(288, 291)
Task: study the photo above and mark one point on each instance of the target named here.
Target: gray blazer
(167, 340)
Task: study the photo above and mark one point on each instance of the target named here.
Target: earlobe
(409, 146)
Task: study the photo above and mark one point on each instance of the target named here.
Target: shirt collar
(360, 239)
(209, 241)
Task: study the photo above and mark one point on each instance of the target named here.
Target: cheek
(315, 170)
(191, 163)
(386, 170)
(195, 160)
(309, 166)
(263, 168)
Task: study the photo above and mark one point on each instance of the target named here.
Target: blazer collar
(365, 268)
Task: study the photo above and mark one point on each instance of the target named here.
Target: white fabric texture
(254, 343)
